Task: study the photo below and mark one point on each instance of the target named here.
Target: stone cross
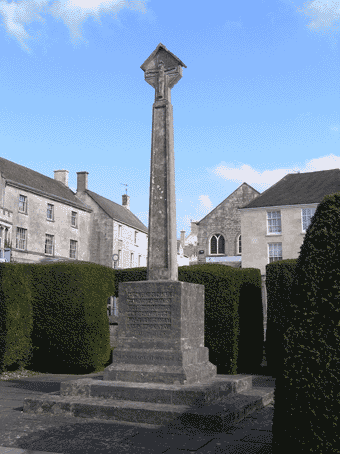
(162, 70)
(160, 336)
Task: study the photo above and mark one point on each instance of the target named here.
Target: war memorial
(160, 369)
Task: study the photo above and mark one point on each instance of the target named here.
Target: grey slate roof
(33, 181)
(299, 188)
(117, 212)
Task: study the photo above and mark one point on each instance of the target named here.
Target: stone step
(215, 416)
(192, 394)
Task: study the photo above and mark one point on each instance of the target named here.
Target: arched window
(217, 244)
(239, 245)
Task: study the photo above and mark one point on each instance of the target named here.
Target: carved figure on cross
(162, 79)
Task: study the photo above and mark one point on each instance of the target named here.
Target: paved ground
(32, 434)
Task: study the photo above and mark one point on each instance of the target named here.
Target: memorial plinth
(161, 334)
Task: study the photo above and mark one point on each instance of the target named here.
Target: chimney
(62, 176)
(194, 228)
(182, 238)
(82, 181)
(126, 201)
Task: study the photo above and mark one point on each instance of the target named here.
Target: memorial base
(161, 334)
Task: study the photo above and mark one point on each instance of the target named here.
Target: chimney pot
(62, 176)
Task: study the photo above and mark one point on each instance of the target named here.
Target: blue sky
(259, 97)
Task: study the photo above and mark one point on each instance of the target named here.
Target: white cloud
(324, 14)
(18, 15)
(204, 207)
(262, 180)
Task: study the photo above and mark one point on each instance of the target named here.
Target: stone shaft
(162, 71)
(162, 239)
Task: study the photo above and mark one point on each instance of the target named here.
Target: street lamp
(115, 259)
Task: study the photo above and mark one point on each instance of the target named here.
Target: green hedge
(16, 318)
(279, 277)
(307, 393)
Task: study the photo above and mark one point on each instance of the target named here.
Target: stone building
(115, 229)
(42, 219)
(217, 237)
(274, 224)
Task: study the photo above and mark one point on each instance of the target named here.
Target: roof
(117, 212)
(145, 65)
(32, 181)
(226, 200)
(299, 188)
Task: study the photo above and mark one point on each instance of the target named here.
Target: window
(119, 231)
(217, 244)
(49, 244)
(131, 259)
(23, 203)
(1, 230)
(74, 219)
(307, 214)
(50, 211)
(119, 258)
(139, 257)
(274, 221)
(112, 306)
(239, 245)
(73, 249)
(135, 237)
(21, 238)
(274, 252)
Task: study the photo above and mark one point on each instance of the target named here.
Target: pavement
(41, 434)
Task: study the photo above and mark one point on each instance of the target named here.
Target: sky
(259, 98)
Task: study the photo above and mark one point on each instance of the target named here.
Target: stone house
(115, 229)
(217, 237)
(274, 225)
(41, 217)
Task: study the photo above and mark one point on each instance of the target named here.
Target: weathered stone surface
(162, 71)
(160, 334)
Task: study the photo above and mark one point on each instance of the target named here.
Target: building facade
(273, 226)
(115, 229)
(219, 232)
(42, 219)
